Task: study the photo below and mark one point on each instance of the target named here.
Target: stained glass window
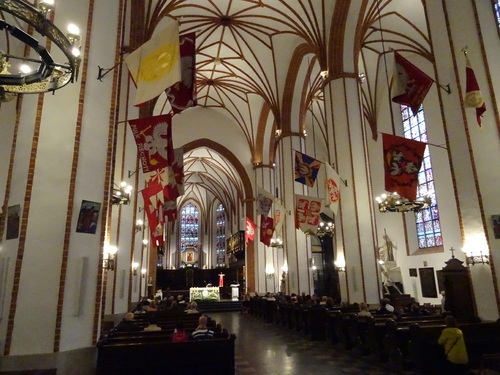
(496, 4)
(427, 220)
(189, 225)
(220, 236)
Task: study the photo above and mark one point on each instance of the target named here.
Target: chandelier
(121, 194)
(276, 243)
(393, 202)
(48, 75)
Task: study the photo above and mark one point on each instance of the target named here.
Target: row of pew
(405, 342)
(154, 352)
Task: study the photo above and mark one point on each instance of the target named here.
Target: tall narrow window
(220, 236)
(189, 226)
(496, 4)
(427, 220)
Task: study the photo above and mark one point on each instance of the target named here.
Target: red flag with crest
(402, 160)
(473, 96)
(153, 206)
(266, 229)
(414, 82)
(250, 230)
(153, 136)
(182, 95)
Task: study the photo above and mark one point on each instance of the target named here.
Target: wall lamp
(269, 270)
(143, 272)
(138, 225)
(108, 262)
(135, 266)
(340, 265)
(473, 256)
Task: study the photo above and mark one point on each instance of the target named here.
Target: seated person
(385, 307)
(127, 324)
(363, 310)
(192, 308)
(180, 334)
(152, 325)
(202, 332)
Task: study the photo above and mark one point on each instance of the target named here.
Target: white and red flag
(263, 202)
(250, 230)
(332, 188)
(307, 211)
(156, 65)
(182, 94)
(414, 84)
(473, 96)
(153, 136)
(153, 206)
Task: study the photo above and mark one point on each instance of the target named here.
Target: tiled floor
(267, 349)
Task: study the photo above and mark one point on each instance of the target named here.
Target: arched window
(220, 236)
(427, 220)
(189, 225)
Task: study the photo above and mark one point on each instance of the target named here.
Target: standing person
(202, 332)
(454, 347)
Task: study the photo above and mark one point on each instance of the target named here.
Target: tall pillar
(354, 231)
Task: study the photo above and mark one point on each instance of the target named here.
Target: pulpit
(235, 292)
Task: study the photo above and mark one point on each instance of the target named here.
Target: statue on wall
(388, 265)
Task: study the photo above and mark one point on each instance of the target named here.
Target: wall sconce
(269, 270)
(135, 266)
(121, 193)
(276, 243)
(284, 268)
(143, 272)
(108, 262)
(145, 242)
(138, 225)
(340, 264)
(473, 257)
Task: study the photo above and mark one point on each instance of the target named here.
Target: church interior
(337, 148)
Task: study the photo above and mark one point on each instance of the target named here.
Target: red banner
(402, 160)
(182, 95)
(153, 206)
(266, 230)
(250, 230)
(473, 96)
(414, 82)
(153, 136)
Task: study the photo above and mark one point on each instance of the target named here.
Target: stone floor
(267, 349)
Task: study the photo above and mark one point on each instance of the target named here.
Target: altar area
(210, 293)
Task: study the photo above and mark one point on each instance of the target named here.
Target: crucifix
(221, 279)
(452, 252)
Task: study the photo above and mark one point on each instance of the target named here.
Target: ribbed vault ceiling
(245, 49)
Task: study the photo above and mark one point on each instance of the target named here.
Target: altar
(210, 293)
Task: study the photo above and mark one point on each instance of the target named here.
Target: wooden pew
(167, 358)
(427, 355)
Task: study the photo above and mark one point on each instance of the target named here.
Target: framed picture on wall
(13, 220)
(428, 282)
(496, 225)
(88, 217)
